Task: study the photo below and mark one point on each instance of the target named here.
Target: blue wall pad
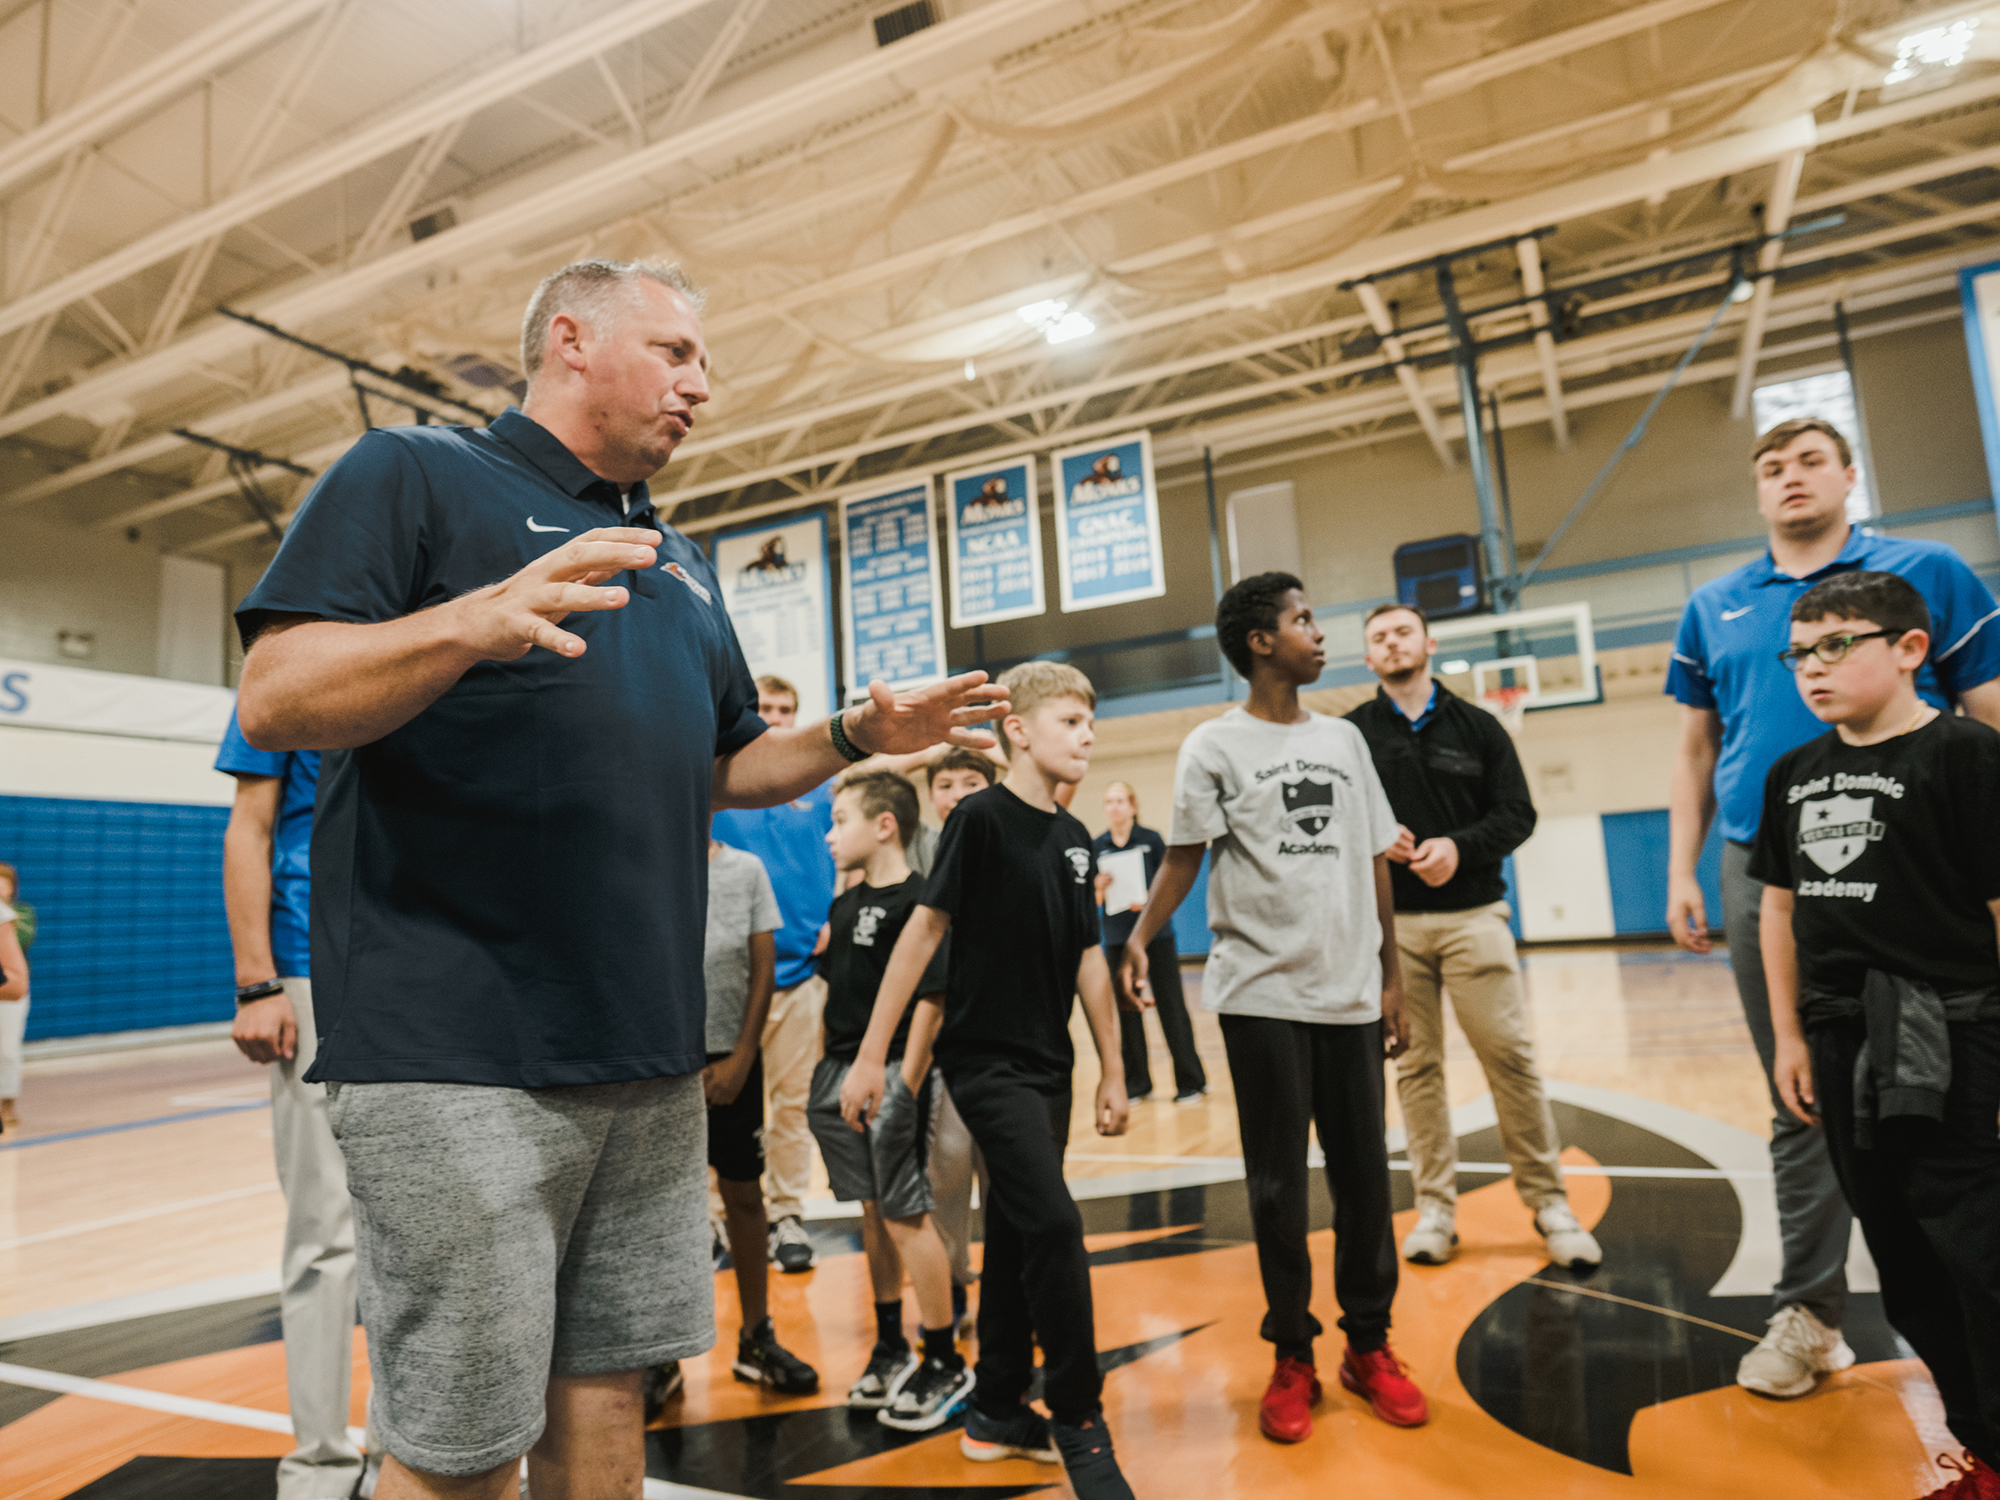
(1191, 921)
(128, 901)
(1635, 854)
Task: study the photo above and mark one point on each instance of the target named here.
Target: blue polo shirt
(1726, 656)
(511, 889)
(297, 772)
(791, 841)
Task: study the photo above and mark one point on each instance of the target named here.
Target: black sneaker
(989, 1439)
(791, 1247)
(761, 1360)
(879, 1384)
(929, 1397)
(659, 1385)
(1087, 1459)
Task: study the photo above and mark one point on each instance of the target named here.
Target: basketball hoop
(1507, 704)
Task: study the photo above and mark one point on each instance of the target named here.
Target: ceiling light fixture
(1055, 321)
(1937, 47)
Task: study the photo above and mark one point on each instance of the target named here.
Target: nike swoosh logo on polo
(533, 527)
(1727, 614)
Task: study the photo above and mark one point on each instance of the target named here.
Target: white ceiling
(1203, 179)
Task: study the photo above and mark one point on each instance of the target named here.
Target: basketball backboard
(1534, 658)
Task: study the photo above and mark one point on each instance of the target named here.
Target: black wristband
(848, 750)
(263, 989)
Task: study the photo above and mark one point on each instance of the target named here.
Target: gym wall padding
(128, 902)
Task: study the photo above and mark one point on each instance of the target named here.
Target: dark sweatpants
(1289, 1075)
(1163, 963)
(1034, 1285)
(1928, 1198)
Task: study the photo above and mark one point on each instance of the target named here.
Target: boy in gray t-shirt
(739, 963)
(1304, 971)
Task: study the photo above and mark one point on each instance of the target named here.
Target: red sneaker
(1286, 1413)
(1383, 1381)
(1976, 1481)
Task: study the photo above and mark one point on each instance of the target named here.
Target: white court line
(1315, 1159)
(242, 1416)
(136, 1215)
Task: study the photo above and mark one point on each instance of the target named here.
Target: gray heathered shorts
(885, 1164)
(507, 1235)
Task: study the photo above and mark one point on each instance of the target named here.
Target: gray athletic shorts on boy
(507, 1235)
(883, 1165)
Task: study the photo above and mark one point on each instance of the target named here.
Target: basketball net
(1507, 704)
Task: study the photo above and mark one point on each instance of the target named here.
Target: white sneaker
(1570, 1245)
(1793, 1355)
(1431, 1242)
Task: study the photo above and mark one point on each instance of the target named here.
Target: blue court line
(77, 1135)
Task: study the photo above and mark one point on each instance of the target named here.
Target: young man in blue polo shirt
(266, 886)
(1740, 711)
(790, 839)
(519, 1061)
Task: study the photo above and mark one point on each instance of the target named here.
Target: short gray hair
(593, 292)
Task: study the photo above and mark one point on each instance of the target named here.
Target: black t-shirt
(1018, 886)
(863, 925)
(1891, 856)
(1118, 925)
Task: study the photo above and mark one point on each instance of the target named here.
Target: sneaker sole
(1425, 1258)
(993, 1453)
(1349, 1383)
(938, 1415)
(751, 1375)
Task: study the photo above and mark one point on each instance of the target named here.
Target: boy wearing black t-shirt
(1881, 907)
(1013, 885)
(882, 1167)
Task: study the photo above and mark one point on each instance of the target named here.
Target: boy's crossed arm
(861, 1094)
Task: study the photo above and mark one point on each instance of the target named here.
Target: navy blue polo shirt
(512, 888)
(1726, 656)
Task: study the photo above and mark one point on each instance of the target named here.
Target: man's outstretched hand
(899, 723)
(506, 620)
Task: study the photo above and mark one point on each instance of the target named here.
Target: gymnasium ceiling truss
(201, 202)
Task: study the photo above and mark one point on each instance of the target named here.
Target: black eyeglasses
(1833, 648)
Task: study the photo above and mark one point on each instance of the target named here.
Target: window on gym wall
(1831, 398)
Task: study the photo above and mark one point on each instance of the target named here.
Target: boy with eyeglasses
(1881, 948)
(1738, 714)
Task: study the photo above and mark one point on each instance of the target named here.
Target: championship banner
(1979, 288)
(779, 595)
(1108, 545)
(889, 597)
(993, 533)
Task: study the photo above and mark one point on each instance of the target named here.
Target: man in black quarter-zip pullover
(1458, 792)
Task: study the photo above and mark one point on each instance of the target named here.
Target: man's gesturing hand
(505, 620)
(898, 723)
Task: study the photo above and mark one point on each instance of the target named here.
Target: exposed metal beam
(1777, 214)
(713, 61)
(1392, 347)
(127, 100)
(1529, 249)
(366, 144)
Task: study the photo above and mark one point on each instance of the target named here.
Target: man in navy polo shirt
(1740, 711)
(509, 883)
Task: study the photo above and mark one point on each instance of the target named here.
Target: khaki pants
(1471, 954)
(792, 1042)
(316, 1297)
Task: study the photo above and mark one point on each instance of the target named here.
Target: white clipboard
(1127, 869)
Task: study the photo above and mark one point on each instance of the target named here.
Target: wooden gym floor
(139, 1354)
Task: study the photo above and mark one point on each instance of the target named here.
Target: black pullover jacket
(1458, 778)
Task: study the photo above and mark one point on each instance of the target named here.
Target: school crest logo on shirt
(689, 579)
(1835, 830)
(1308, 805)
(1079, 861)
(865, 922)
